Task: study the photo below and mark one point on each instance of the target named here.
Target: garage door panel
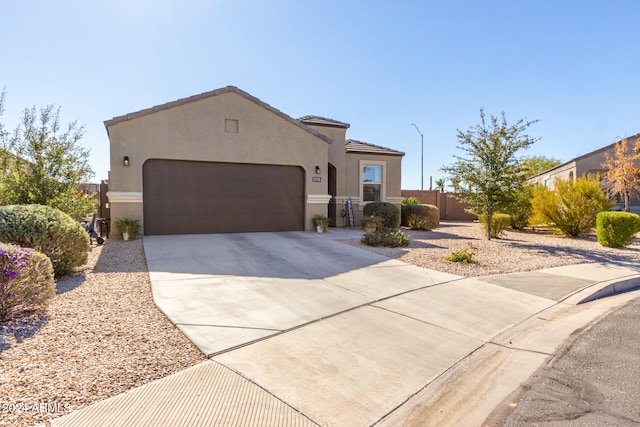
(182, 197)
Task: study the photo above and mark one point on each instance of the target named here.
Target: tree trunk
(626, 202)
(489, 215)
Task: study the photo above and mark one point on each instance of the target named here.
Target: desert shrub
(464, 255)
(372, 221)
(520, 208)
(571, 206)
(46, 230)
(499, 223)
(420, 217)
(386, 237)
(27, 280)
(411, 201)
(616, 229)
(388, 212)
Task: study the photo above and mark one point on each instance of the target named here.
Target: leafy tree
(519, 210)
(490, 168)
(440, 184)
(41, 164)
(623, 174)
(535, 165)
(572, 206)
(456, 184)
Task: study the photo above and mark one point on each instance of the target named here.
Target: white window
(371, 183)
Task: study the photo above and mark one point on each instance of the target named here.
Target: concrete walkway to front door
(304, 330)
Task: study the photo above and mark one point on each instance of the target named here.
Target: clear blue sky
(378, 65)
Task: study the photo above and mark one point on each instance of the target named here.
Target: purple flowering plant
(27, 280)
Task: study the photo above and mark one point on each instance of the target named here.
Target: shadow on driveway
(289, 255)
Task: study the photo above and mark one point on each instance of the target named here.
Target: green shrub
(464, 255)
(27, 280)
(129, 226)
(616, 229)
(571, 206)
(499, 223)
(388, 212)
(386, 237)
(46, 230)
(420, 217)
(411, 201)
(520, 208)
(371, 221)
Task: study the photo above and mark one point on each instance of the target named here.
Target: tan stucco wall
(337, 153)
(337, 157)
(392, 173)
(196, 131)
(593, 162)
(562, 172)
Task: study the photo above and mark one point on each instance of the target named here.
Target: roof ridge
(384, 150)
(590, 153)
(315, 119)
(204, 95)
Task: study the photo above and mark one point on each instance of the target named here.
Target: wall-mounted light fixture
(125, 161)
(318, 170)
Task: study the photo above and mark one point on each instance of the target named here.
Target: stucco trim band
(394, 200)
(319, 199)
(125, 196)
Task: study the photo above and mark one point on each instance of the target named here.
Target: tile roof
(354, 146)
(209, 94)
(323, 121)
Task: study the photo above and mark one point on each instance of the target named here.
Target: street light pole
(421, 157)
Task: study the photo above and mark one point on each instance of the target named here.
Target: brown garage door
(183, 197)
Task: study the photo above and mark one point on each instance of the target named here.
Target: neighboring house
(590, 165)
(224, 161)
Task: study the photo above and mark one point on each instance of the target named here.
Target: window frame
(383, 177)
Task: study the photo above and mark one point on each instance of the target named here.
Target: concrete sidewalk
(361, 340)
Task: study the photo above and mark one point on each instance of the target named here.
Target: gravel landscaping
(514, 252)
(102, 334)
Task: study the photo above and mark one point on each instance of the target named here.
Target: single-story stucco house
(590, 165)
(225, 161)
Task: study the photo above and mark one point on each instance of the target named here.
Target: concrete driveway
(302, 330)
(227, 290)
(340, 334)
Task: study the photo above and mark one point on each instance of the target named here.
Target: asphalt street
(594, 380)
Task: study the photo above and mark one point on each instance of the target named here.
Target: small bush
(411, 201)
(371, 221)
(27, 280)
(520, 208)
(420, 217)
(463, 255)
(499, 223)
(388, 212)
(130, 226)
(46, 230)
(571, 206)
(617, 229)
(386, 237)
